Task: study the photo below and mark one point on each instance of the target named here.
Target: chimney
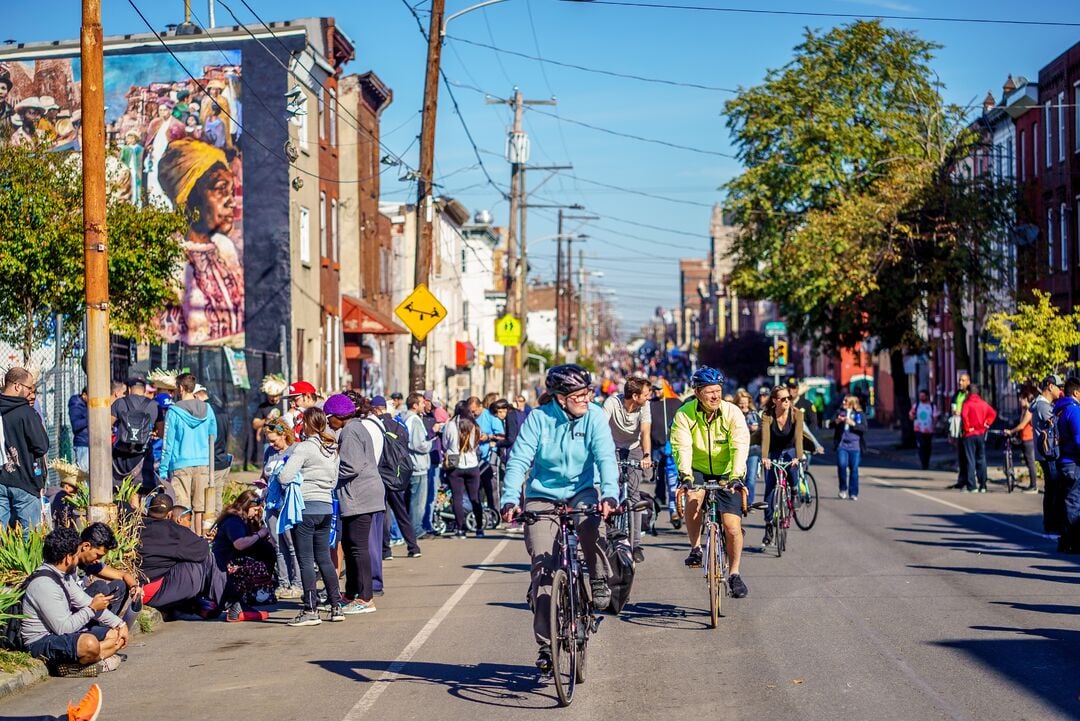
(1009, 86)
(989, 102)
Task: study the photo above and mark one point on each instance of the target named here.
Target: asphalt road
(911, 603)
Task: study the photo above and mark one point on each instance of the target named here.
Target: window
(1063, 239)
(999, 157)
(464, 262)
(1010, 158)
(1050, 238)
(322, 114)
(322, 225)
(305, 236)
(335, 240)
(1049, 148)
(1076, 117)
(303, 128)
(465, 316)
(1023, 157)
(1061, 126)
(333, 119)
(385, 261)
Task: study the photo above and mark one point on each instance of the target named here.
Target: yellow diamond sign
(508, 331)
(420, 312)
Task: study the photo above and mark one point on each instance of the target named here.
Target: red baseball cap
(300, 388)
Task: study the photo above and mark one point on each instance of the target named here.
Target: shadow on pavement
(34, 718)
(1042, 661)
(491, 684)
(1005, 572)
(1041, 607)
(665, 615)
(498, 567)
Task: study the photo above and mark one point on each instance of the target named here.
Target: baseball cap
(300, 388)
(339, 405)
(378, 402)
(1053, 378)
(199, 388)
(792, 382)
(397, 396)
(764, 390)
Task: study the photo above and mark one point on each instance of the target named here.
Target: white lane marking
(383, 682)
(958, 507)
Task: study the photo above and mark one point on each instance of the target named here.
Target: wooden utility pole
(96, 263)
(425, 201)
(581, 305)
(558, 287)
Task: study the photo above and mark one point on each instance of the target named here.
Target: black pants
(355, 546)
(1053, 498)
(311, 539)
(487, 484)
(188, 580)
(117, 589)
(975, 455)
(396, 504)
(460, 480)
(962, 462)
(925, 442)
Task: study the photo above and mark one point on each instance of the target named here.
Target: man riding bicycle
(631, 427)
(710, 442)
(561, 447)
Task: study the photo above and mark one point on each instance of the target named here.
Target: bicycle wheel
(712, 574)
(491, 518)
(806, 509)
(563, 642)
(780, 518)
(584, 624)
(1010, 469)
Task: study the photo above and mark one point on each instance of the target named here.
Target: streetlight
(442, 33)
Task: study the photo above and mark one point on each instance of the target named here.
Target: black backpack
(11, 627)
(133, 428)
(395, 465)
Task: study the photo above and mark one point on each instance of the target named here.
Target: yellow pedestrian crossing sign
(508, 331)
(421, 312)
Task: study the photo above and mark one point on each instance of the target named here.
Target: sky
(719, 50)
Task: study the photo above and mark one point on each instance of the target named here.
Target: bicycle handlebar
(530, 517)
(628, 463)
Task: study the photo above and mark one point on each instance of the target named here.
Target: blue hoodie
(1067, 411)
(565, 455)
(188, 427)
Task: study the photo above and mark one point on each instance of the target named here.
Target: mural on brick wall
(179, 142)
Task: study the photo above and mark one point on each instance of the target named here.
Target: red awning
(360, 317)
(465, 354)
(355, 351)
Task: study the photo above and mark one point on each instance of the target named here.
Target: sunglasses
(783, 398)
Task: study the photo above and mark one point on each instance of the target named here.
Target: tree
(1036, 340)
(41, 253)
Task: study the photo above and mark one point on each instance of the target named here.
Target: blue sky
(716, 49)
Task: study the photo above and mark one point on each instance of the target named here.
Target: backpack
(1046, 437)
(395, 465)
(133, 429)
(11, 626)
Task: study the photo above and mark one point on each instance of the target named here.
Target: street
(910, 603)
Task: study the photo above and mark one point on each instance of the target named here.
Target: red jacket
(977, 416)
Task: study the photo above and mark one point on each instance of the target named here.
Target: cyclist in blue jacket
(563, 444)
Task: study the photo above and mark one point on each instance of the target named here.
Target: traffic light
(772, 355)
(781, 353)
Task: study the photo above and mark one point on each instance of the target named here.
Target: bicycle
(800, 504)
(622, 521)
(571, 609)
(1008, 466)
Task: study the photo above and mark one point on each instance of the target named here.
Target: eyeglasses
(519, 400)
(783, 398)
(581, 396)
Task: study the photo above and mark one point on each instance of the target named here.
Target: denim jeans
(417, 501)
(1069, 477)
(429, 500)
(288, 570)
(975, 453)
(753, 462)
(847, 466)
(82, 457)
(19, 506)
(311, 538)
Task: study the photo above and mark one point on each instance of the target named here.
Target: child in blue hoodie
(190, 429)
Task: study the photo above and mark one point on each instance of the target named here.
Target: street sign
(775, 328)
(508, 331)
(779, 370)
(420, 312)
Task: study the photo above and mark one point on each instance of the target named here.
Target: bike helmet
(706, 376)
(567, 379)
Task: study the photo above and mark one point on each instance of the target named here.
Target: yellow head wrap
(183, 163)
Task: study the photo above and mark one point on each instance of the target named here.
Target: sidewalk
(885, 443)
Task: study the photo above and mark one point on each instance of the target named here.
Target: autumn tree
(41, 251)
(1037, 339)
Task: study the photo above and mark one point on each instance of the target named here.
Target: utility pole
(558, 287)
(425, 202)
(96, 263)
(569, 275)
(517, 152)
(582, 275)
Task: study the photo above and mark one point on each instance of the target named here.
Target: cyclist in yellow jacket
(710, 442)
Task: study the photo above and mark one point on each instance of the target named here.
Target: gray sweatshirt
(316, 467)
(419, 443)
(452, 445)
(48, 612)
(360, 487)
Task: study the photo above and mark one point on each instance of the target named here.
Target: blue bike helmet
(706, 376)
(567, 379)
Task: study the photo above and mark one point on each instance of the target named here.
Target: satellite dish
(483, 217)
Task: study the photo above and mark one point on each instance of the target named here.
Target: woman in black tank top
(782, 429)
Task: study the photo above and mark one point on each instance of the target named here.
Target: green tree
(1036, 340)
(41, 253)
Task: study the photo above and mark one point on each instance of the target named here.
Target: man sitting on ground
(177, 563)
(63, 626)
(95, 542)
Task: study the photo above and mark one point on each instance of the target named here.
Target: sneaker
(982, 489)
(289, 592)
(768, 540)
(414, 554)
(601, 594)
(694, 559)
(854, 498)
(480, 533)
(459, 534)
(305, 618)
(1030, 489)
(398, 542)
(90, 670)
(737, 586)
(356, 607)
(969, 490)
(87, 709)
(543, 659)
(205, 608)
(842, 494)
(238, 614)
(336, 614)
(379, 592)
(388, 557)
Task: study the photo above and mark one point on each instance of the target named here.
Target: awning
(464, 354)
(355, 351)
(361, 317)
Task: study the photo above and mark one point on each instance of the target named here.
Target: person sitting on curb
(95, 542)
(177, 564)
(73, 633)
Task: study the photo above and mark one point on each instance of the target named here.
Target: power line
(598, 71)
(644, 194)
(847, 16)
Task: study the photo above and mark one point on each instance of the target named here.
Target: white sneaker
(843, 494)
(854, 498)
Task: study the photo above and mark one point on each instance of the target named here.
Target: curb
(11, 683)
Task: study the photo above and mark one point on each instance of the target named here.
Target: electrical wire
(847, 16)
(598, 71)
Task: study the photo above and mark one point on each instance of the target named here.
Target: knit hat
(339, 406)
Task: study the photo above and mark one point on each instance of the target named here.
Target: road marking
(958, 507)
(383, 682)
